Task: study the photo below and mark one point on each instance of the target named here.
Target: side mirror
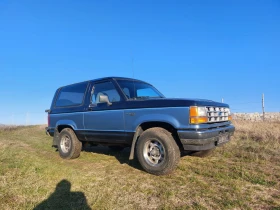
(104, 99)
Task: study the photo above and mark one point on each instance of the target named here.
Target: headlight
(201, 111)
(198, 115)
(227, 110)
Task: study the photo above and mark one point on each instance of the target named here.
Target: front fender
(156, 118)
(175, 116)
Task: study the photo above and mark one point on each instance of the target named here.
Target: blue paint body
(116, 123)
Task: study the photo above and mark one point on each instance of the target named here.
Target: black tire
(203, 153)
(116, 148)
(69, 146)
(157, 151)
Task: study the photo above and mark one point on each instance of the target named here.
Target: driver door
(104, 122)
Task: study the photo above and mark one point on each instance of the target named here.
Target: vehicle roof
(123, 78)
(105, 78)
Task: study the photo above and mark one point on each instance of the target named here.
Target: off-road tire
(167, 143)
(75, 146)
(203, 153)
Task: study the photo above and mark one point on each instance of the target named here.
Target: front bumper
(197, 140)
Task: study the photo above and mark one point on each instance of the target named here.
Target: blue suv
(123, 112)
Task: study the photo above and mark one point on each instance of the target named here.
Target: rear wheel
(157, 151)
(69, 146)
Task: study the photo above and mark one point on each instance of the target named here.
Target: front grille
(217, 114)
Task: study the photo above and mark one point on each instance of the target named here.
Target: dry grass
(243, 174)
(259, 131)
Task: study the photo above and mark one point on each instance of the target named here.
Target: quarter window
(72, 95)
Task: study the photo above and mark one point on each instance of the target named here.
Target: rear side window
(72, 95)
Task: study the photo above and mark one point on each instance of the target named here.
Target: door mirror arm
(91, 105)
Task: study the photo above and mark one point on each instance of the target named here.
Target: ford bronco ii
(122, 112)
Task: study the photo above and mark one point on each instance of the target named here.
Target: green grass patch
(243, 174)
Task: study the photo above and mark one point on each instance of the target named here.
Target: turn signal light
(198, 120)
(198, 115)
(193, 111)
(230, 118)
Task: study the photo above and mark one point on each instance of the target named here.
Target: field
(243, 174)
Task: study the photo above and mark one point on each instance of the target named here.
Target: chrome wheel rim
(65, 144)
(154, 152)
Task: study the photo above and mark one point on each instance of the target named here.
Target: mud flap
(55, 138)
(136, 135)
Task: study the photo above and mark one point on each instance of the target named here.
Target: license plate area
(223, 138)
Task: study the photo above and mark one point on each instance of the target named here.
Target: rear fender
(65, 123)
(60, 125)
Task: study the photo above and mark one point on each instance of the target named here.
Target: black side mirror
(104, 99)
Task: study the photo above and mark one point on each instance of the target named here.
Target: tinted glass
(135, 89)
(105, 88)
(72, 95)
(146, 92)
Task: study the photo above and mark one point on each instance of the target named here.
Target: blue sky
(189, 49)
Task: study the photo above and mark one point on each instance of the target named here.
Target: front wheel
(157, 151)
(69, 146)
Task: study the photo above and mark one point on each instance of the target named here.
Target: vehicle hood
(172, 102)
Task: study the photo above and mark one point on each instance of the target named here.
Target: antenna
(132, 67)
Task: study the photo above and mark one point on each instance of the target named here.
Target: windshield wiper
(140, 97)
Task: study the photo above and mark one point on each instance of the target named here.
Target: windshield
(138, 90)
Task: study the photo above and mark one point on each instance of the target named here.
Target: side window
(72, 95)
(105, 88)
